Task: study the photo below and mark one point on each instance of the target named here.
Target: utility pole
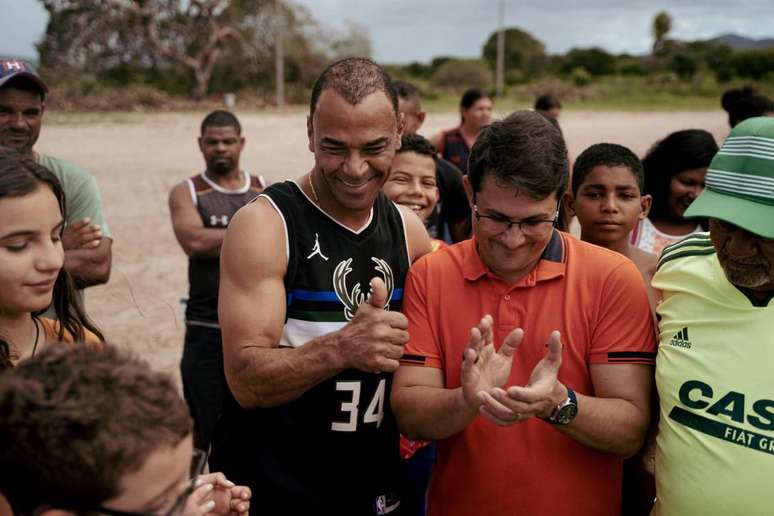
(500, 72)
(279, 57)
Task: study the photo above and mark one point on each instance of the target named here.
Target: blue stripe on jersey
(317, 295)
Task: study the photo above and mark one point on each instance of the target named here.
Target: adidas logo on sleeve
(681, 340)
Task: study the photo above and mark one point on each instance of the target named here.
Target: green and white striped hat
(740, 179)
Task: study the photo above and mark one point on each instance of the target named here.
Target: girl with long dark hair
(32, 277)
(674, 177)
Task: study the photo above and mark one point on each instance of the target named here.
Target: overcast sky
(417, 30)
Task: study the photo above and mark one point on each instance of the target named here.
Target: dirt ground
(138, 158)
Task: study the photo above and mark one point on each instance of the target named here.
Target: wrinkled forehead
(371, 118)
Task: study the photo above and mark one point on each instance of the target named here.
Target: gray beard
(752, 277)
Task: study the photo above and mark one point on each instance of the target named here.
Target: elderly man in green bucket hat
(715, 365)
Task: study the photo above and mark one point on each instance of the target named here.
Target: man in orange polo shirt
(531, 353)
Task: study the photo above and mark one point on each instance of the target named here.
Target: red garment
(597, 299)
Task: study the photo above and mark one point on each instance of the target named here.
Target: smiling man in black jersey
(311, 274)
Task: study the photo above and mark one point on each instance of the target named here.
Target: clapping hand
(538, 398)
(483, 368)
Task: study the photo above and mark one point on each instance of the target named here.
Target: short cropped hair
(75, 419)
(546, 102)
(523, 151)
(406, 90)
(749, 107)
(418, 144)
(221, 118)
(354, 78)
(608, 155)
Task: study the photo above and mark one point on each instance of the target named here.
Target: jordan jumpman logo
(316, 249)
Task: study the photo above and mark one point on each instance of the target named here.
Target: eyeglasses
(501, 224)
(198, 462)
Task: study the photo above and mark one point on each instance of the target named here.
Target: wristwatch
(566, 411)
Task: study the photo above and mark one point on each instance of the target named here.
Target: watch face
(567, 414)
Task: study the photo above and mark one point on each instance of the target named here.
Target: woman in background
(674, 176)
(454, 144)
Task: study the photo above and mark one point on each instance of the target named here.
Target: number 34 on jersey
(350, 408)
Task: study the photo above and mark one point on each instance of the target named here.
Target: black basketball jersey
(334, 450)
(216, 205)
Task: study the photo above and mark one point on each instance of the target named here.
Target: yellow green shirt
(715, 380)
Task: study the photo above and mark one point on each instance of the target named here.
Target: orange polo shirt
(597, 299)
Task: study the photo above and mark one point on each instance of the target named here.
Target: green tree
(194, 45)
(753, 64)
(662, 24)
(684, 65)
(594, 60)
(522, 51)
(107, 33)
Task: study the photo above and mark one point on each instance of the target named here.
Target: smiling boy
(413, 180)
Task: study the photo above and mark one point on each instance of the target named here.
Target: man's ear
(310, 132)
(421, 117)
(646, 202)
(201, 144)
(569, 203)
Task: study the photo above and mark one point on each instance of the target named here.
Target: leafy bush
(580, 76)
(753, 63)
(459, 74)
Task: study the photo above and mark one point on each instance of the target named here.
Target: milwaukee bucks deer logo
(353, 297)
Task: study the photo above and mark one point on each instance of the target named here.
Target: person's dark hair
(682, 150)
(74, 419)
(608, 155)
(749, 107)
(731, 96)
(546, 102)
(21, 175)
(25, 84)
(523, 151)
(418, 144)
(406, 90)
(470, 97)
(354, 78)
(221, 118)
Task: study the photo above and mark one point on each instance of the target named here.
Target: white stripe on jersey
(298, 332)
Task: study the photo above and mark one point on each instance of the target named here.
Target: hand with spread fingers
(483, 368)
(542, 394)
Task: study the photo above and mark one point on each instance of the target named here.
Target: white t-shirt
(648, 238)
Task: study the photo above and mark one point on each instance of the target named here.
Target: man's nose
(512, 237)
(741, 244)
(355, 164)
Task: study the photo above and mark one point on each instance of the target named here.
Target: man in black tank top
(311, 272)
(201, 208)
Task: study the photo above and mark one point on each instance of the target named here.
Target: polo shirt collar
(552, 263)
